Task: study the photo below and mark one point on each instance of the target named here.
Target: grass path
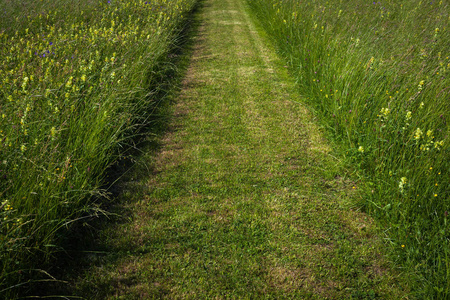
(244, 198)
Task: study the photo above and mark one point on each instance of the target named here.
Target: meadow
(77, 81)
(377, 75)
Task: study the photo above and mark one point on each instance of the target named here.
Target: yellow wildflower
(402, 183)
(418, 134)
(408, 115)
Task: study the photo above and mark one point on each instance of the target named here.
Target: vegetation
(244, 199)
(254, 192)
(378, 74)
(77, 78)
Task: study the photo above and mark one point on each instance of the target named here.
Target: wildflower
(25, 82)
(418, 134)
(370, 63)
(385, 111)
(5, 205)
(23, 148)
(361, 149)
(53, 131)
(408, 115)
(438, 145)
(69, 82)
(424, 147)
(421, 105)
(402, 183)
(421, 83)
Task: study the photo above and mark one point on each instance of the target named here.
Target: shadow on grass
(85, 245)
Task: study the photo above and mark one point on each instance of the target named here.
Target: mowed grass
(244, 198)
(376, 73)
(77, 79)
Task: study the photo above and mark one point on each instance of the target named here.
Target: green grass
(244, 198)
(74, 89)
(377, 75)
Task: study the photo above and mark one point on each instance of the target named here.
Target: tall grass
(76, 80)
(378, 74)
